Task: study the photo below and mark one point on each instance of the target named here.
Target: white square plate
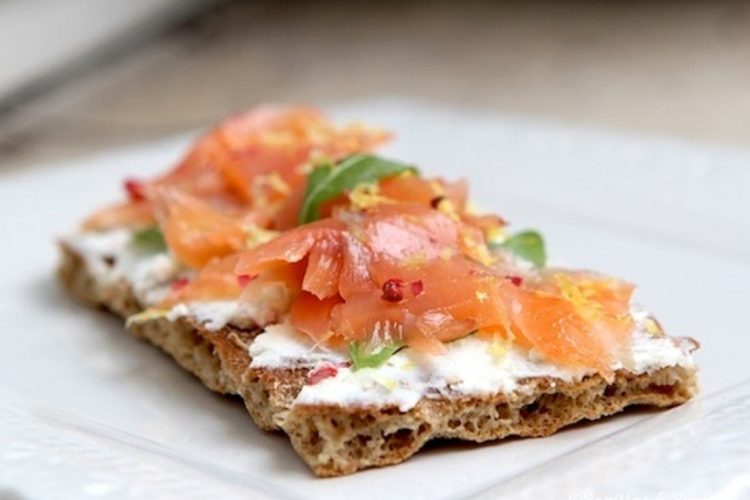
(88, 411)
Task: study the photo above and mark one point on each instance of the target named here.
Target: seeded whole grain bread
(335, 440)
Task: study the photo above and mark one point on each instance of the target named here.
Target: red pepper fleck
(244, 279)
(393, 290)
(135, 189)
(179, 284)
(417, 288)
(516, 280)
(435, 202)
(321, 373)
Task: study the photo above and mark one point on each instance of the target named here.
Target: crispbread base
(335, 440)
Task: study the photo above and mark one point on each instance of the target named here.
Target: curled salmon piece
(408, 235)
(259, 155)
(216, 281)
(355, 260)
(194, 231)
(410, 274)
(430, 192)
(271, 293)
(402, 189)
(290, 247)
(312, 316)
(424, 306)
(251, 160)
(129, 213)
(402, 261)
(577, 320)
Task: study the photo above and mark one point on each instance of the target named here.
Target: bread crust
(335, 440)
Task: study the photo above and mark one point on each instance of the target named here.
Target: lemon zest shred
(386, 382)
(495, 235)
(652, 326)
(502, 341)
(367, 195)
(277, 138)
(447, 207)
(437, 188)
(304, 169)
(415, 260)
(390, 384)
(278, 183)
(468, 241)
(358, 233)
(497, 349)
(446, 253)
(274, 181)
(483, 255)
(408, 365)
(258, 235)
(580, 294)
(145, 316)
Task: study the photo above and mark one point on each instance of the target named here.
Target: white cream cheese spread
(216, 314)
(281, 345)
(110, 257)
(469, 367)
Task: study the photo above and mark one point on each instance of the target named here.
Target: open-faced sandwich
(358, 304)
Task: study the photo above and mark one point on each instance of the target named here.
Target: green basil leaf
(327, 182)
(150, 239)
(319, 173)
(528, 245)
(362, 358)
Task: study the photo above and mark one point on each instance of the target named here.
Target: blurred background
(83, 75)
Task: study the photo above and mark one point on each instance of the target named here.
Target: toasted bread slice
(337, 439)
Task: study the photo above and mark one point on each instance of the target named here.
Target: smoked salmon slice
(216, 281)
(411, 274)
(251, 160)
(401, 261)
(195, 232)
(128, 214)
(582, 325)
(440, 294)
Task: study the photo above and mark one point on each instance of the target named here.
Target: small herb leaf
(326, 182)
(150, 239)
(362, 358)
(528, 245)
